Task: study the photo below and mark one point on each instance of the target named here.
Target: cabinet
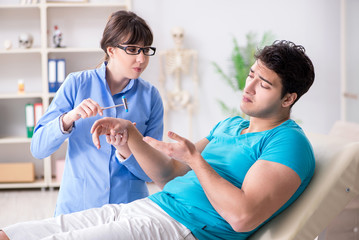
(81, 24)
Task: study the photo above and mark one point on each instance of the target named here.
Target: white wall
(209, 28)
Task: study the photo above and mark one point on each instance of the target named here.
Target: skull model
(25, 40)
(177, 35)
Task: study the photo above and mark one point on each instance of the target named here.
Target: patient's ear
(289, 99)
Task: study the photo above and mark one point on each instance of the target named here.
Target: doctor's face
(130, 65)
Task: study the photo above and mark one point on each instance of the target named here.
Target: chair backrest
(347, 130)
(335, 183)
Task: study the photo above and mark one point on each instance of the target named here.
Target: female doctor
(94, 177)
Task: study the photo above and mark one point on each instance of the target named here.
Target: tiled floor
(24, 205)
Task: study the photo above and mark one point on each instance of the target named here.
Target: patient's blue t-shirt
(231, 154)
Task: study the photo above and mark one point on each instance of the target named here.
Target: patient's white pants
(139, 220)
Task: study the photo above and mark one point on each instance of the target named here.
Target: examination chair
(334, 184)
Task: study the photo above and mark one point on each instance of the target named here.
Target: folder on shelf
(61, 72)
(38, 111)
(29, 117)
(52, 75)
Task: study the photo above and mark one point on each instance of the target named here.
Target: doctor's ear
(289, 99)
(110, 51)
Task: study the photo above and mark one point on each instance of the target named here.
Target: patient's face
(262, 93)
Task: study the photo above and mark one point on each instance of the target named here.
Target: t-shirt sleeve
(290, 148)
(210, 135)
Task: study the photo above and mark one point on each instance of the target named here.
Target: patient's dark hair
(292, 65)
(125, 27)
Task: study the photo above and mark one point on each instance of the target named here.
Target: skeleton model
(175, 64)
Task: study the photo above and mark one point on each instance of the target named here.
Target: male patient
(223, 187)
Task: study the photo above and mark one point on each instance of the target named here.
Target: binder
(29, 118)
(38, 111)
(61, 72)
(52, 75)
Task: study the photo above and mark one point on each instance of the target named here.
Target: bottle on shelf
(20, 86)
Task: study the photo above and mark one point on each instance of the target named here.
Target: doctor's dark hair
(125, 27)
(292, 65)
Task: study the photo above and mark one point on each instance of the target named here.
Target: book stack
(56, 73)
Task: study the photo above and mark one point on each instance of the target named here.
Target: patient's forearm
(158, 166)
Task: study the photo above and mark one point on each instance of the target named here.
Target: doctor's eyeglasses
(133, 50)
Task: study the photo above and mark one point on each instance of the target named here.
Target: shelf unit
(81, 25)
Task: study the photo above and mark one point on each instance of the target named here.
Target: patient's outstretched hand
(115, 129)
(183, 150)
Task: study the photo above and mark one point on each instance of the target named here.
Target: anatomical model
(175, 65)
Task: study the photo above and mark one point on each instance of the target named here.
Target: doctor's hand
(87, 108)
(182, 150)
(115, 129)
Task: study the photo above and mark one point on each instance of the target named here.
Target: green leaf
(267, 39)
(224, 76)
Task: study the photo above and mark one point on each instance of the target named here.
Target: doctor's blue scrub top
(93, 177)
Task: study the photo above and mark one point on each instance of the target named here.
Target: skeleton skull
(177, 35)
(25, 40)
